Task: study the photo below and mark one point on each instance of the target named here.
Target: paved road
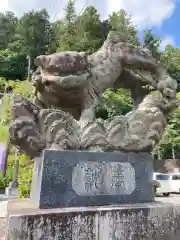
(173, 198)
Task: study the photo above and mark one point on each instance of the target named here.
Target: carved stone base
(78, 178)
(155, 221)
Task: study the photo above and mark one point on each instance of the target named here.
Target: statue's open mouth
(145, 76)
(66, 81)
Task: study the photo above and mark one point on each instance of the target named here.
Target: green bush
(23, 88)
(25, 176)
(25, 172)
(4, 182)
(2, 84)
(155, 185)
(24, 191)
(12, 65)
(3, 133)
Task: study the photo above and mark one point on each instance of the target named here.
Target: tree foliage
(89, 30)
(152, 43)
(114, 103)
(121, 22)
(34, 31)
(12, 65)
(171, 58)
(67, 41)
(8, 24)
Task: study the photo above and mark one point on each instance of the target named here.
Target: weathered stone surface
(77, 178)
(154, 221)
(75, 83)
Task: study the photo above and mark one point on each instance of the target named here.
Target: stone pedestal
(78, 178)
(153, 221)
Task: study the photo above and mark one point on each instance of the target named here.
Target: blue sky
(170, 27)
(163, 16)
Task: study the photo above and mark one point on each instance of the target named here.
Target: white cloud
(145, 13)
(165, 41)
(4, 5)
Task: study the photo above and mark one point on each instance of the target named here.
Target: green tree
(114, 103)
(122, 23)
(89, 27)
(8, 24)
(171, 59)
(67, 41)
(34, 33)
(12, 65)
(58, 30)
(152, 43)
(172, 134)
(169, 146)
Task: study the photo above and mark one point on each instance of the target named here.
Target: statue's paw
(24, 131)
(93, 137)
(25, 134)
(168, 87)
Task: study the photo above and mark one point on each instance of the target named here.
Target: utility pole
(29, 67)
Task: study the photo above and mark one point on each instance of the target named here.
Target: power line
(53, 8)
(86, 4)
(57, 9)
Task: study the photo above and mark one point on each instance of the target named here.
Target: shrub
(12, 64)
(25, 176)
(4, 182)
(156, 185)
(2, 84)
(25, 172)
(23, 88)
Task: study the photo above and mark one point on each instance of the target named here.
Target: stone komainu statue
(74, 83)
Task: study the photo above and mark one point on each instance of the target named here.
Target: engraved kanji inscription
(118, 178)
(92, 179)
(107, 178)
